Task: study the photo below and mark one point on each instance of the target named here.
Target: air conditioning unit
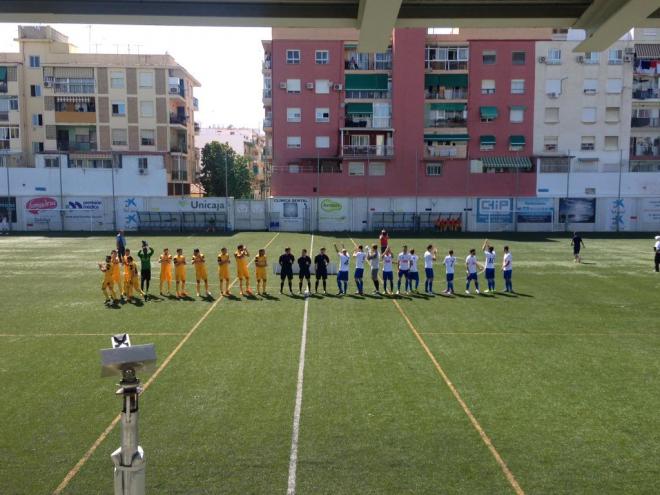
(48, 84)
(542, 60)
(627, 58)
(629, 51)
(142, 171)
(579, 59)
(338, 87)
(589, 91)
(283, 85)
(553, 95)
(174, 89)
(309, 85)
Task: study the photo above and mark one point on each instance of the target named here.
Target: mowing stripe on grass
(76, 469)
(484, 437)
(548, 334)
(295, 433)
(160, 334)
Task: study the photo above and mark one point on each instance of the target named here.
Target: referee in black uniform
(304, 262)
(286, 269)
(321, 261)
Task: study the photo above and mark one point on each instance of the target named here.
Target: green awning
(3, 73)
(446, 137)
(517, 140)
(488, 112)
(454, 107)
(518, 107)
(446, 80)
(359, 108)
(506, 162)
(487, 140)
(377, 82)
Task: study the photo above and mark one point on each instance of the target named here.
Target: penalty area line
(83, 460)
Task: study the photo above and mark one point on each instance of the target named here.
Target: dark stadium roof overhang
(604, 20)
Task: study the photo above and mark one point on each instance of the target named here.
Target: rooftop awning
(359, 108)
(647, 51)
(487, 140)
(517, 140)
(446, 137)
(446, 80)
(506, 162)
(454, 107)
(488, 112)
(377, 82)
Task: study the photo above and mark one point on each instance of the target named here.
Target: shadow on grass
(268, 297)
(356, 296)
(208, 298)
(468, 296)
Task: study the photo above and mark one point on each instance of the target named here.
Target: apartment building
(68, 110)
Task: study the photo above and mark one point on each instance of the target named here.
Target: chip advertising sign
(35, 205)
(330, 205)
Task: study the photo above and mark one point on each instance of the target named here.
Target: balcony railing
(179, 174)
(641, 122)
(443, 123)
(4, 144)
(369, 122)
(177, 91)
(267, 152)
(367, 64)
(64, 146)
(646, 94)
(4, 116)
(363, 94)
(651, 71)
(266, 64)
(4, 87)
(268, 123)
(178, 119)
(179, 148)
(446, 64)
(447, 94)
(368, 150)
(197, 127)
(644, 166)
(446, 151)
(268, 93)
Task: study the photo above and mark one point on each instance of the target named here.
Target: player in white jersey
(374, 262)
(344, 267)
(450, 263)
(359, 256)
(507, 268)
(472, 268)
(429, 257)
(489, 252)
(413, 274)
(403, 261)
(388, 273)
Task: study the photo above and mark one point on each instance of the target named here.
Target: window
(293, 57)
(52, 162)
(293, 115)
(293, 142)
(376, 168)
(553, 87)
(322, 115)
(433, 169)
(590, 86)
(518, 58)
(487, 87)
(13, 103)
(588, 143)
(615, 56)
(551, 115)
(119, 137)
(35, 61)
(146, 108)
(35, 90)
(116, 79)
(322, 86)
(550, 143)
(294, 168)
(322, 57)
(487, 143)
(37, 120)
(293, 85)
(612, 114)
(147, 137)
(589, 115)
(517, 86)
(143, 162)
(355, 168)
(489, 57)
(554, 56)
(118, 108)
(611, 143)
(9, 133)
(591, 58)
(517, 114)
(146, 79)
(322, 141)
(37, 146)
(614, 86)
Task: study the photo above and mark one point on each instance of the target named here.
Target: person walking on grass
(507, 271)
(388, 272)
(489, 252)
(374, 263)
(403, 262)
(656, 249)
(321, 261)
(577, 244)
(384, 240)
(430, 256)
(413, 274)
(344, 267)
(472, 268)
(360, 256)
(304, 266)
(450, 264)
(286, 269)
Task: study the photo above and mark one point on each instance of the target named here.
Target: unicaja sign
(42, 203)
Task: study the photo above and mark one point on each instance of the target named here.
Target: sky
(226, 61)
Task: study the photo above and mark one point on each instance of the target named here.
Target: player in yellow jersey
(132, 280)
(199, 262)
(107, 284)
(261, 262)
(223, 271)
(180, 273)
(127, 274)
(242, 256)
(165, 261)
(116, 271)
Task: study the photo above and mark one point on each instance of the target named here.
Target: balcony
(368, 64)
(646, 94)
(178, 119)
(645, 122)
(367, 151)
(367, 94)
(646, 71)
(445, 123)
(443, 151)
(74, 117)
(446, 64)
(267, 64)
(176, 91)
(267, 94)
(181, 175)
(267, 153)
(197, 127)
(68, 146)
(268, 123)
(447, 94)
(195, 103)
(368, 122)
(4, 116)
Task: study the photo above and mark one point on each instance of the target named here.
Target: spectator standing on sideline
(656, 248)
(121, 245)
(577, 244)
(384, 239)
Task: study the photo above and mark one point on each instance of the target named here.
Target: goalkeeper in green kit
(145, 266)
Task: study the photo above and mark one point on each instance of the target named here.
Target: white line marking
(75, 469)
(293, 459)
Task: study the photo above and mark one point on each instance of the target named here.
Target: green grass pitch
(562, 378)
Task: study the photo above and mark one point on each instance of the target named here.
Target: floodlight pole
(130, 464)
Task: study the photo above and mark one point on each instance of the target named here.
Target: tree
(215, 157)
